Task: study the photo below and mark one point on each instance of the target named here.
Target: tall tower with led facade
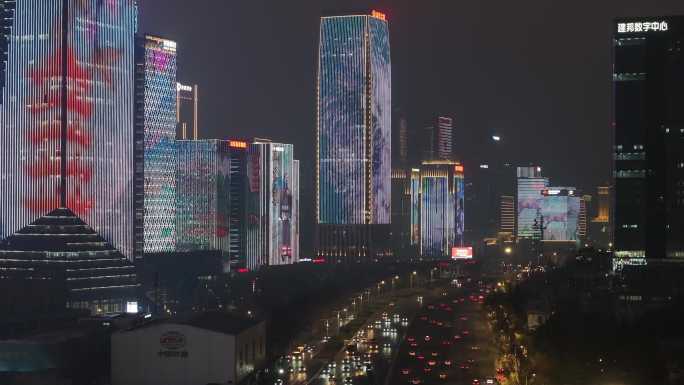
(353, 136)
(67, 158)
(155, 181)
(272, 204)
(67, 115)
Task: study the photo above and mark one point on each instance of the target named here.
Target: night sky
(536, 71)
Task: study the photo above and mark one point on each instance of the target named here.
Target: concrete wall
(139, 357)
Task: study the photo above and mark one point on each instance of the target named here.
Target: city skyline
(458, 60)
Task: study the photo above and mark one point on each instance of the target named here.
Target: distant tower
(353, 136)
(529, 201)
(438, 139)
(187, 111)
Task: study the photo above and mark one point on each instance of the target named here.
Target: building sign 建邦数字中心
(648, 26)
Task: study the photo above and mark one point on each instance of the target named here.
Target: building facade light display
(155, 135)
(442, 212)
(530, 186)
(560, 212)
(354, 121)
(72, 125)
(203, 193)
(272, 226)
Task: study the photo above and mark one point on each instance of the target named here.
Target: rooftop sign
(639, 26)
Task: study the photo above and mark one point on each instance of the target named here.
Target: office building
(599, 232)
(187, 118)
(560, 213)
(207, 348)
(353, 136)
(507, 215)
(207, 171)
(405, 212)
(529, 201)
(272, 236)
(648, 63)
(582, 225)
(439, 139)
(441, 207)
(63, 152)
(155, 173)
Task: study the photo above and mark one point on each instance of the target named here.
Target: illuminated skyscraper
(68, 104)
(203, 195)
(155, 181)
(187, 117)
(67, 168)
(648, 94)
(6, 21)
(441, 207)
(353, 143)
(272, 205)
(530, 186)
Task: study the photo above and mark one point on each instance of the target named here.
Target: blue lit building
(441, 207)
(155, 181)
(353, 141)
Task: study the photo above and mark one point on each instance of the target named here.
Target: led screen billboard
(462, 252)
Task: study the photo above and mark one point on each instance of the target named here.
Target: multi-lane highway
(449, 341)
(435, 335)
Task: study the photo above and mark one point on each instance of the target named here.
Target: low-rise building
(204, 349)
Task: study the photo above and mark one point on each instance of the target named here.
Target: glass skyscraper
(155, 181)
(648, 123)
(67, 115)
(353, 166)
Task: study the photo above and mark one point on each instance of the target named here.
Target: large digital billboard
(462, 252)
(353, 179)
(203, 195)
(272, 236)
(98, 50)
(437, 221)
(281, 229)
(560, 214)
(530, 206)
(381, 118)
